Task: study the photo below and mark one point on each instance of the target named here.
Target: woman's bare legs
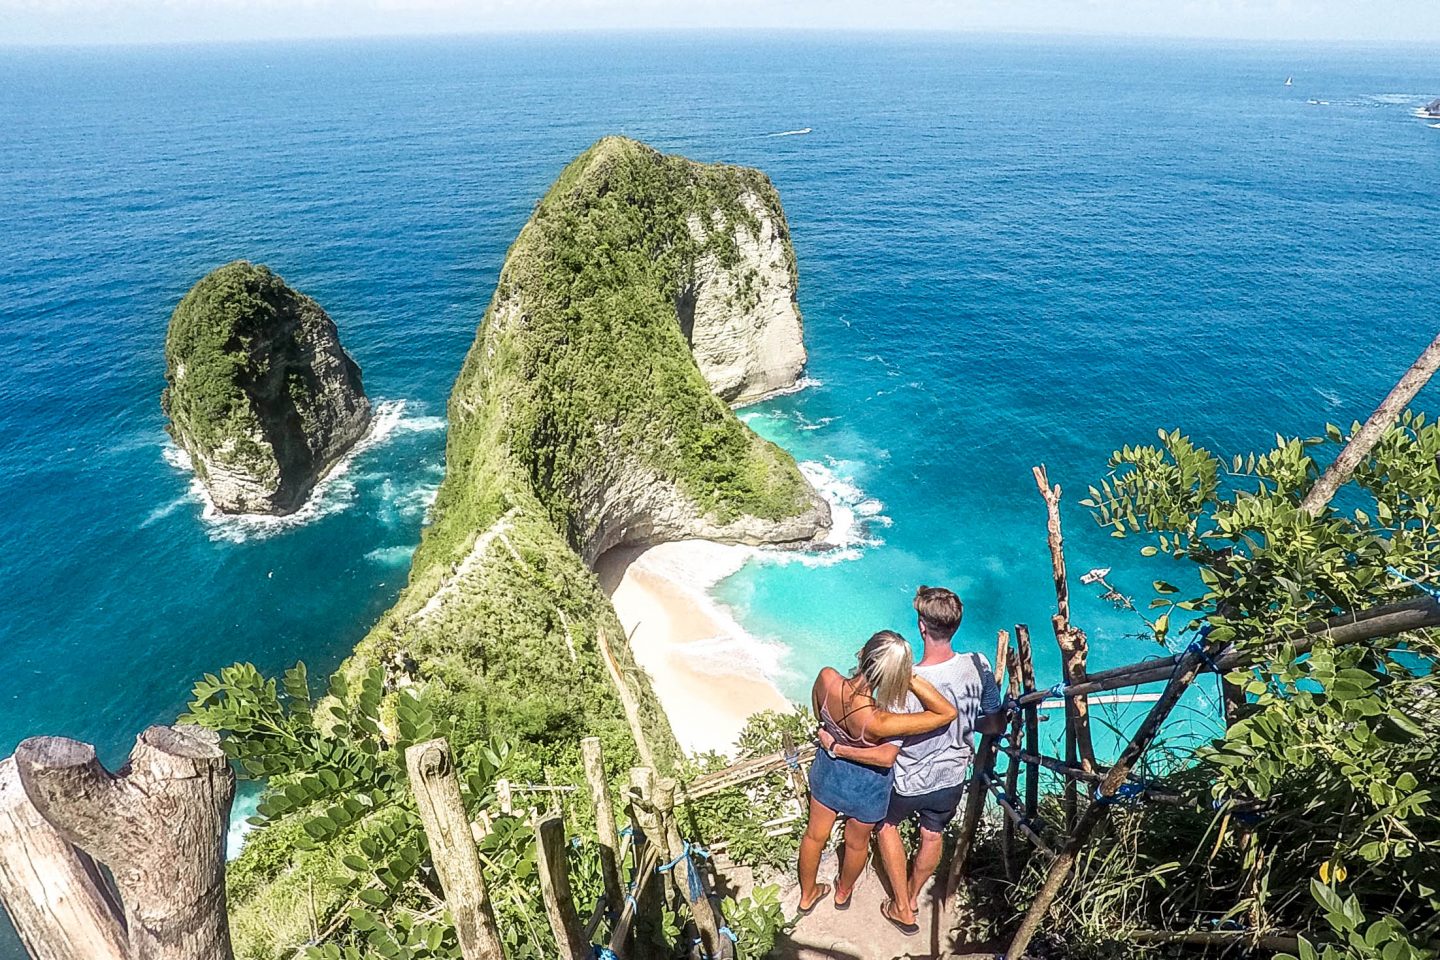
(812, 845)
(852, 860)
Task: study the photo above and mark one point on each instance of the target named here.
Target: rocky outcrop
(260, 394)
(742, 319)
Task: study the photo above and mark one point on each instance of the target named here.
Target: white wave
(335, 492)
(1330, 397)
(1399, 98)
(804, 383)
(791, 133)
(1434, 126)
(397, 556)
(820, 424)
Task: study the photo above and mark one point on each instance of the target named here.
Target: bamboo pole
(1005, 801)
(983, 764)
(57, 897)
(1088, 776)
(159, 825)
(594, 762)
(452, 849)
(1098, 811)
(1032, 718)
(627, 701)
(554, 872)
(1359, 446)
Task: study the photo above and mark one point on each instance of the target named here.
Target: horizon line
(701, 29)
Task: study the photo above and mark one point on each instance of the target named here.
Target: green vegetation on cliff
(580, 390)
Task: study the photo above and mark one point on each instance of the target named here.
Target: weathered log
(1269, 942)
(452, 849)
(1359, 446)
(1013, 817)
(57, 897)
(1012, 769)
(555, 889)
(650, 895)
(799, 783)
(159, 826)
(609, 837)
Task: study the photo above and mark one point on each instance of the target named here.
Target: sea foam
(335, 492)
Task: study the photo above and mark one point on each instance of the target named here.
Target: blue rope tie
(727, 932)
(1056, 691)
(697, 890)
(1427, 588)
(1197, 647)
(603, 952)
(627, 832)
(1125, 793)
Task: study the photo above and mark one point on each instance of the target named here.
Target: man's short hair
(940, 610)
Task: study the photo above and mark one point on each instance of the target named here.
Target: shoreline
(709, 675)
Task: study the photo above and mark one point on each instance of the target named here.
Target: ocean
(1012, 251)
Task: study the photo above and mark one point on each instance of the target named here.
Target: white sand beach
(709, 674)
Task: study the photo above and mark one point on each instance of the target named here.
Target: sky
(169, 21)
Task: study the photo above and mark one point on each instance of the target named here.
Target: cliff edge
(260, 394)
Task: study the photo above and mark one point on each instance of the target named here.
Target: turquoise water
(1011, 252)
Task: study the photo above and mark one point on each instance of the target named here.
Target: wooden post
(1072, 644)
(1360, 445)
(457, 862)
(1012, 771)
(1032, 719)
(604, 824)
(159, 826)
(799, 785)
(649, 896)
(555, 889)
(686, 876)
(1002, 654)
(974, 805)
(1098, 811)
(627, 701)
(58, 899)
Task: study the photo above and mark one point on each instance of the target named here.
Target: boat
(1289, 81)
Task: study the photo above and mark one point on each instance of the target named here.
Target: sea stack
(259, 392)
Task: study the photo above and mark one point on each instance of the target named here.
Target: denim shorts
(936, 809)
(856, 790)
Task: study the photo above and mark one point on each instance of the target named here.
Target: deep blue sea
(1012, 251)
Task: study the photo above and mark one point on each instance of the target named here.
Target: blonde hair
(885, 663)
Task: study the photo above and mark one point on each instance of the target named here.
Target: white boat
(1289, 81)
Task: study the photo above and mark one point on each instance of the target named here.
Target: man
(932, 769)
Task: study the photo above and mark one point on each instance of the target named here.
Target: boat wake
(791, 133)
(337, 490)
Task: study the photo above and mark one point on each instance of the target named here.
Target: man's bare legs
(892, 858)
(927, 858)
(812, 845)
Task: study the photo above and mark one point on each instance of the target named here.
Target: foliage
(336, 789)
(756, 921)
(1334, 751)
(743, 815)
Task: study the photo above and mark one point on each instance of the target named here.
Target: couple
(896, 744)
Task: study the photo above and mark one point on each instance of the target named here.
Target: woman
(861, 711)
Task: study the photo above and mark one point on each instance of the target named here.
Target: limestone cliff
(260, 393)
(741, 317)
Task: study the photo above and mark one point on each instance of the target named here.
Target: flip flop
(909, 929)
(846, 904)
(822, 890)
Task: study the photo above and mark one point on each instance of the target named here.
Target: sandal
(846, 904)
(822, 890)
(909, 929)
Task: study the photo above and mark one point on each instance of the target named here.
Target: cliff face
(260, 393)
(741, 318)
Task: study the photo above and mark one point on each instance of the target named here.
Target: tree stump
(159, 825)
(60, 902)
